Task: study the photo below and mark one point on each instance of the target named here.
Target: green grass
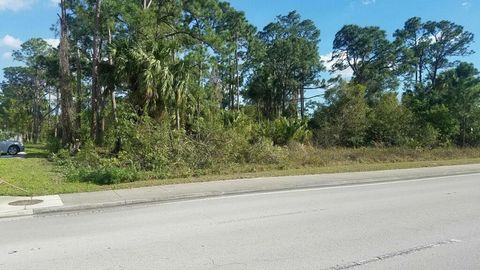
(271, 172)
(39, 176)
(36, 175)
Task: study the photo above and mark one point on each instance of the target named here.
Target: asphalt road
(419, 224)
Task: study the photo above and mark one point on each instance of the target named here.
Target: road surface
(420, 224)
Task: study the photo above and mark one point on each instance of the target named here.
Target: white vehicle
(11, 147)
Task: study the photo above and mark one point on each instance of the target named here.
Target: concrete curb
(17, 213)
(213, 194)
(203, 190)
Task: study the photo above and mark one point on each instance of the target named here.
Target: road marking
(268, 216)
(10, 219)
(392, 255)
(227, 195)
(307, 189)
(293, 189)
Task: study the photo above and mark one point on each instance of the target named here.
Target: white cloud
(466, 4)
(15, 5)
(7, 56)
(54, 2)
(54, 42)
(346, 74)
(368, 2)
(11, 42)
(326, 60)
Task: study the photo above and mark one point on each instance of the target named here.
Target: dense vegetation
(171, 88)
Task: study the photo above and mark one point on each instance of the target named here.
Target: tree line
(186, 64)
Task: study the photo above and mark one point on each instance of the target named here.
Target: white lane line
(307, 189)
(299, 189)
(269, 216)
(392, 255)
(288, 190)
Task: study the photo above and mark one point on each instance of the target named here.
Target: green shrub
(102, 175)
(61, 157)
(284, 130)
(263, 151)
(54, 144)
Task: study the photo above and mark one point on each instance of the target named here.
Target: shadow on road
(34, 151)
(19, 155)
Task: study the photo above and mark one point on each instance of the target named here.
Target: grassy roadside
(41, 177)
(36, 174)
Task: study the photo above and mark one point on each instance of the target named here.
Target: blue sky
(24, 19)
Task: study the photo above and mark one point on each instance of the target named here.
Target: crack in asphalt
(392, 254)
(268, 216)
(215, 265)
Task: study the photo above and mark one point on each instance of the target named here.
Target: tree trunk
(49, 120)
(237, 77)
(95, 131)
(302, 102)
(284, 99)
(232, 97)
(177, 109)
(200, 74)
(118, 142)
(56, 121)
(177, 118)
(66, 100)
(36, 125)
(231, 79)
(420, 70)
(416, 74)
(79, 92)
(146, 4)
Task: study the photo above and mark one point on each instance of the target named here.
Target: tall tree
(288, 64)
(66, 99)
(96, 126)
(413, 54)
(447, 40)
(35, 53)
(429, 47)
(16, 101)
(235, 34)
(460, 90)
(369, 54)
